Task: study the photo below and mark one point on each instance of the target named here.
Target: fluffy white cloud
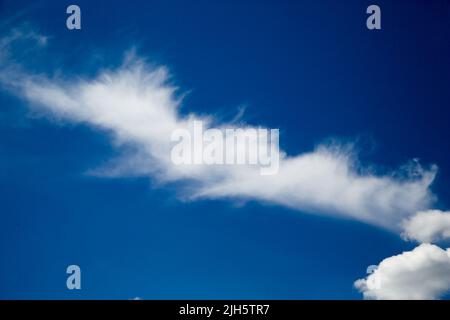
(423, 273)
(138, 107)
(427, 226)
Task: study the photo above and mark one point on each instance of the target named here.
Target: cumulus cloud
(420, 274)
(138, 107)
(427, 226)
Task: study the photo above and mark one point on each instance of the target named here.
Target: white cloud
(138, 107)
(423, 273)
(427, 226)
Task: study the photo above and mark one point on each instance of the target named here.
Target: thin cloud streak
(138, 107)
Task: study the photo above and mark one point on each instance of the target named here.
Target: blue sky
(310, 68)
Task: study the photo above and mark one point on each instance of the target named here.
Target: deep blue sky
(310, 68)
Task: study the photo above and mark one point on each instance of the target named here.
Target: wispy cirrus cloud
(137, 106)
